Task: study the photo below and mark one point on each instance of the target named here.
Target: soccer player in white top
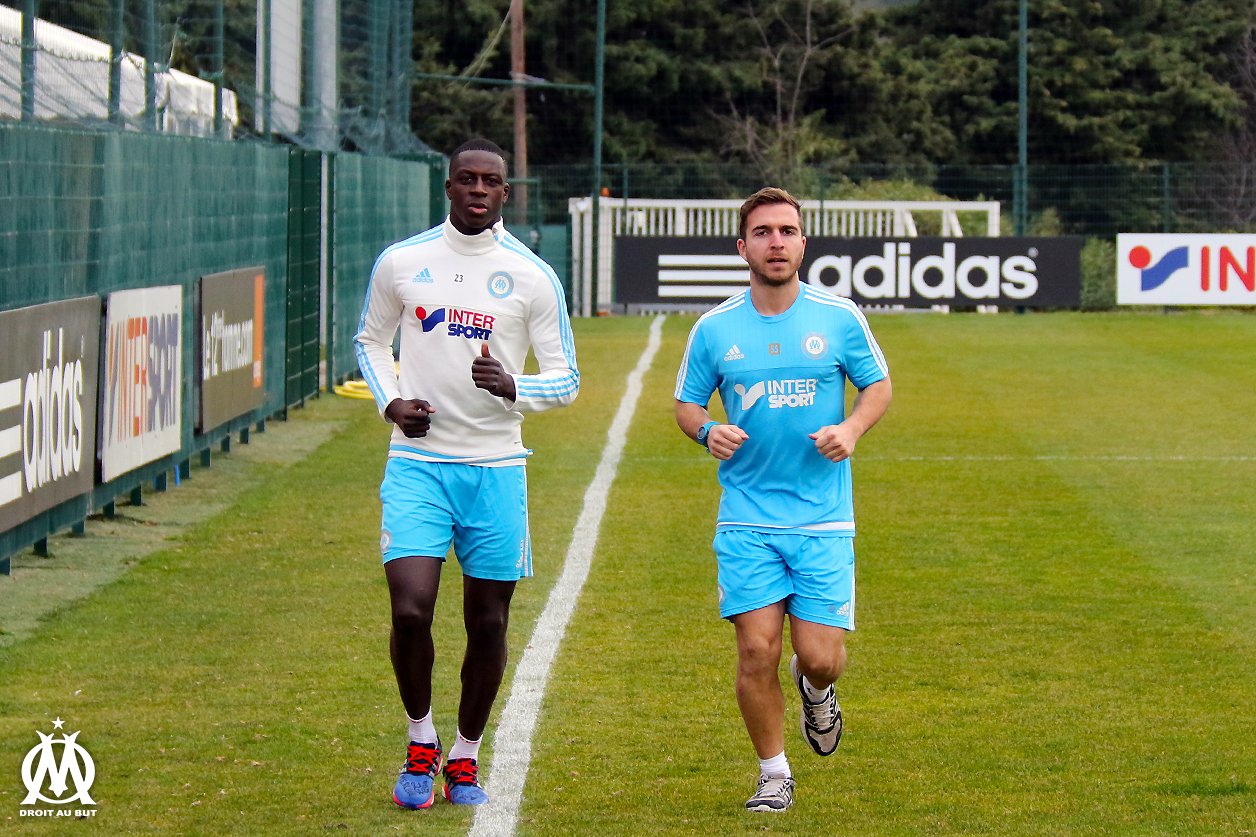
(780, 355)
(470, 300)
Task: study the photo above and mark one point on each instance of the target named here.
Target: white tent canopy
(72, 83)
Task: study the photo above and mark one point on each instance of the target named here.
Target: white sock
(464, 748)
(775, 767)
(423, 731)
(813, 694)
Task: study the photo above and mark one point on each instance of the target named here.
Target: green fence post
(1020, 198)
(379, 13)
(150, 59)
(263, 14)
(308, 100)
(117, 32)
(292, 292)
(1022, 117)
(404, 66)
(312, 307)
(329, 291)
(1166, 198)
(30, 10)
(303, 307)
(219, 65)
(436, 194)
(824, 183)
(598, 96)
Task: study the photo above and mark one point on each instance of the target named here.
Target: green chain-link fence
(1089, 200)
(89, 212)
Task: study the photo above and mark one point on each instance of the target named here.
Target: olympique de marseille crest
(58, 771)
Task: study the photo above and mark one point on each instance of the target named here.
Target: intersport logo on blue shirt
(790, 392)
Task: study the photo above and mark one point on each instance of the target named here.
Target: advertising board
(141, 391)
(1169, 269)
(231, 345)
(914, 272)
(48, 372)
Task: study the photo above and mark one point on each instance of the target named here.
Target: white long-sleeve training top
(449, 293)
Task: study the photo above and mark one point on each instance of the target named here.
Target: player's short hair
(766, 197)
(478, 144)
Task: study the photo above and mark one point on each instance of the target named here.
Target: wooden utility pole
(518, 74)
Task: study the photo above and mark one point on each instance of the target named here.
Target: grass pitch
(1056, 597)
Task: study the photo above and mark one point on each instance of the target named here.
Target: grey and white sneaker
(821, 723)
(775, 794)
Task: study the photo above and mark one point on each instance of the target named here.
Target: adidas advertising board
(48, 373)
(231, 345)
(1166, 269)
(914, 272)
(141, 391)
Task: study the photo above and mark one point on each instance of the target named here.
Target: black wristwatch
(704, 431)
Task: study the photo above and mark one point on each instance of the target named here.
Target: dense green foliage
(789, 82)
(1108, 81)
(778, 85)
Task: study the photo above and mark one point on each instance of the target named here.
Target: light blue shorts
(813, 574)
(482, 512)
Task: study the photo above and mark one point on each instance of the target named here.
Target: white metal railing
(654, 218)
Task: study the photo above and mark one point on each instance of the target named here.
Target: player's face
(774, 243)
(476, 189)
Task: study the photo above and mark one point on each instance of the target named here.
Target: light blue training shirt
(781, 378)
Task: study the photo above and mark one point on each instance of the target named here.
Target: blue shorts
(482, 512)
(813, 574)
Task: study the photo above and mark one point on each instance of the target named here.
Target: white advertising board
(1168, 269)
(141, 386)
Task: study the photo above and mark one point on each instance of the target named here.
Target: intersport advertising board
(1168, 269)
(915, 272)
(141, 393)
(48, 371)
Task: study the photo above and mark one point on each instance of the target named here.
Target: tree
(1111, 81)
(776, 124)
(1233, 198)
(462, 39)
(666, 61)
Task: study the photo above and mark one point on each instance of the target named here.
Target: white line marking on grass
(512, 747)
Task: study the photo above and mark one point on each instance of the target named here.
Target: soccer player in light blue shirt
(780, 355)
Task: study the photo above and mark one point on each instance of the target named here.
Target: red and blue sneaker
(462, 786)
(414, 788)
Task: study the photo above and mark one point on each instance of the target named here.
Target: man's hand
(724, 440)
(835, 442)
(488, 373)
(412, 416)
